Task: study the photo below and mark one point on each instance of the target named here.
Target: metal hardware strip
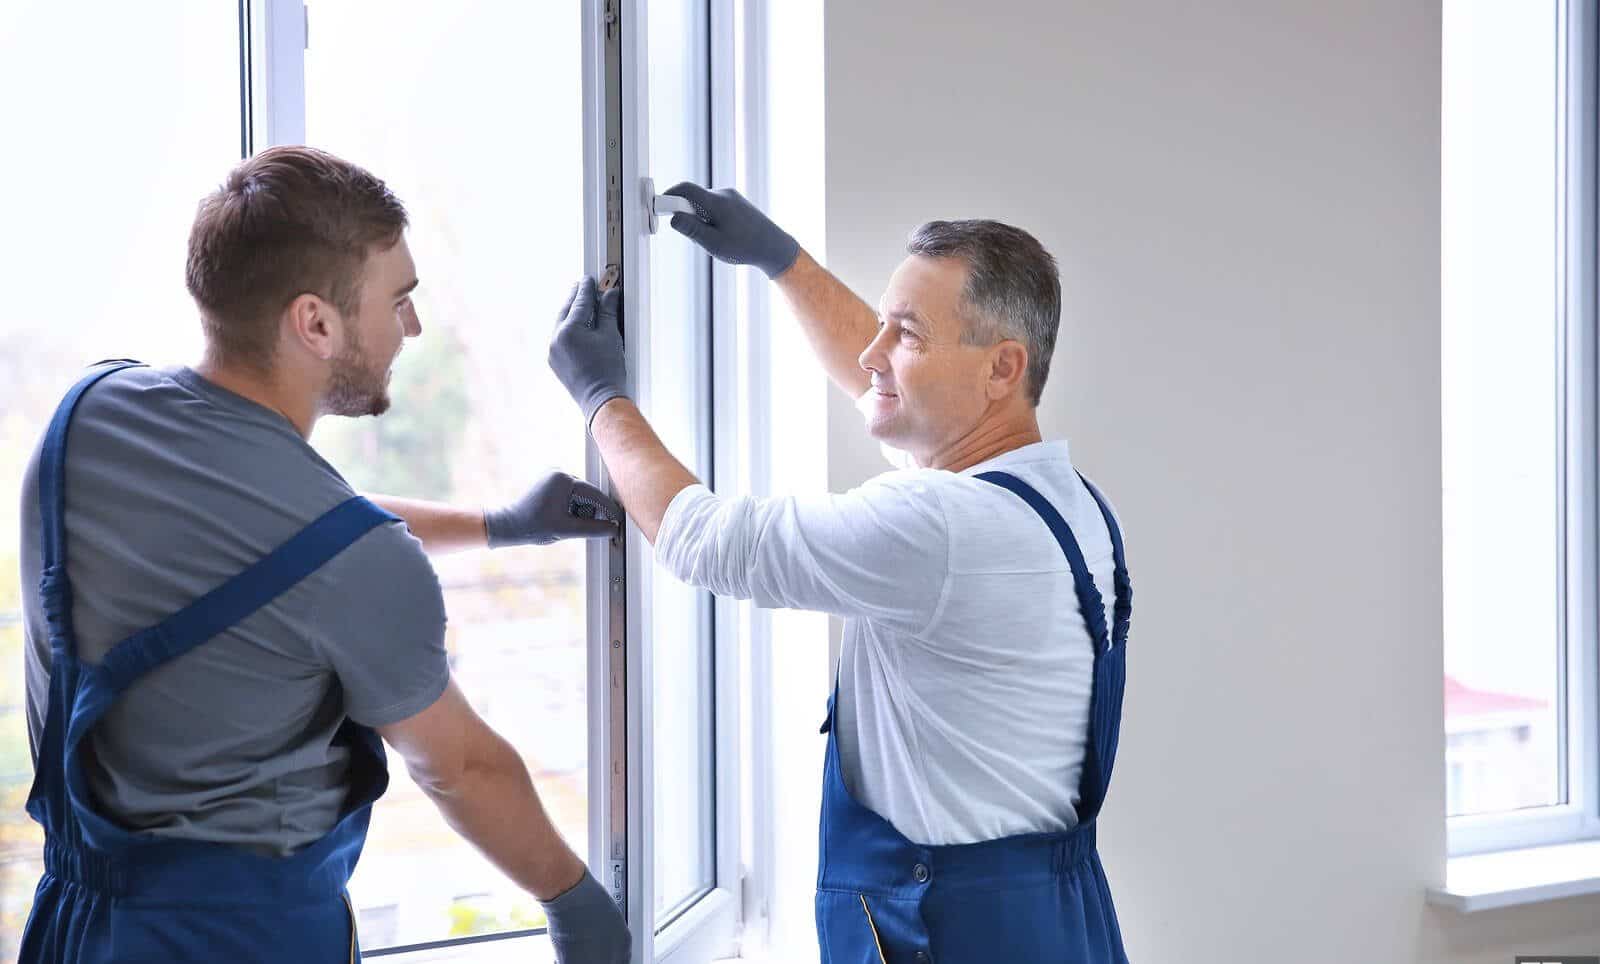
(617, 598)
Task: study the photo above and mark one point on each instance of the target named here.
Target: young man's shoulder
(174, 466)
(387, 562)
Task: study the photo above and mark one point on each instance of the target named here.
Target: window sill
(1512, 878)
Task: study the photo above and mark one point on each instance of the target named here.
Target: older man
(975, 718)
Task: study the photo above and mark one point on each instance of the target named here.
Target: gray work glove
(586, 349)
(557, 507)
(733, 230)
(586, 926)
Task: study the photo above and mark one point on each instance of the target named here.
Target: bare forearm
(644, 474)
(836, 321)
(494, 806)
(443, 528)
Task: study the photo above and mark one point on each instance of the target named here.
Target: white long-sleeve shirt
(965, 676)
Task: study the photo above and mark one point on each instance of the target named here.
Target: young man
(976, 714)
(219, 629)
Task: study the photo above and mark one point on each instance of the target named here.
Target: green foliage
(16, 766)
(10, 581)
(467, 920)
(16, 763)
(471, 916)
(527, 917)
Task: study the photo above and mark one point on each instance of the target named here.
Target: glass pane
(131, 123)
(475, 121)
(679, 407)
(1501, 448)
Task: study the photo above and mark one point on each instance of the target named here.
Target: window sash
(1578, 685)
(273, 36)
(705, 927)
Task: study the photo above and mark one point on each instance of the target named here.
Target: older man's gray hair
(1013, 289)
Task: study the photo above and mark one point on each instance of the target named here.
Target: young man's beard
(354, 389)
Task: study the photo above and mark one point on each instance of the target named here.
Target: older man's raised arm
(837, 322)
(879, 551)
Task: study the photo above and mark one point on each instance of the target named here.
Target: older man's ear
(1008, 370)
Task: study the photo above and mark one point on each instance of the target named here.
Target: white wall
(1244, 199)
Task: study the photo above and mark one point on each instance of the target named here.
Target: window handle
(663, 205)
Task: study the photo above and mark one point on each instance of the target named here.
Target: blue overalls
(882, 899)
(109, 894)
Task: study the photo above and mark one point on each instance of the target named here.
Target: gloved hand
(557, 507)
(733, 230)
(586, 349)
(586, 926)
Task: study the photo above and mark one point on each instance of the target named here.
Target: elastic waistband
(1024, 857)
(91, 870)
(198, 872)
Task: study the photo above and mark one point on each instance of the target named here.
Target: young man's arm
(380, 626)
(838, 324)
(440, 527)
(484, 792)
(557, 507)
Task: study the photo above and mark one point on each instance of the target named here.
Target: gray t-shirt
(174, 485)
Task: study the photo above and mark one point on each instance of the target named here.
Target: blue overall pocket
(847, 930)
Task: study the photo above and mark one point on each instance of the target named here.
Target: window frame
(706, 927)
(274, 35)
(1578, 503)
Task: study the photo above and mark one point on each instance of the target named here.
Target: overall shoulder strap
(54, 586)
(1089, 599)
(53, 463)
(274, 574)
(1123, 607)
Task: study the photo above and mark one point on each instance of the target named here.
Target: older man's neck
(298, 406)
(991, 438)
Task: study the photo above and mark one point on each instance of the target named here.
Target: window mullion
(273, 74)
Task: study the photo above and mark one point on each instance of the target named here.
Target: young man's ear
(1008, 369)
(309, 323)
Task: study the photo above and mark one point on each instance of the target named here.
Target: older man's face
(928, 389)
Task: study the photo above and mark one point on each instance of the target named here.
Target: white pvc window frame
(707, 927)
(272, 74)
(274, 35)
(1578, 500)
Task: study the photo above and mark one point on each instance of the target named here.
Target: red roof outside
(1463, 700)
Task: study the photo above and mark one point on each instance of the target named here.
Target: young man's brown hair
(286, 222)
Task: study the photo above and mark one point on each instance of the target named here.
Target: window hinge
(305, 25)
(618, 881)
(752, 903)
